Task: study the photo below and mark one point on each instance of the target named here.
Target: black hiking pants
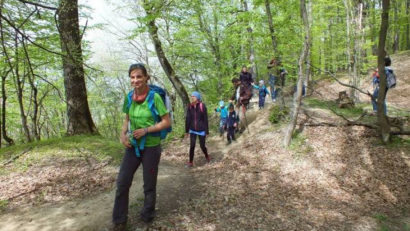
(192, 147)
(150, 160)
(231, 133)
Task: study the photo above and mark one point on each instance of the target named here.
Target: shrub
(276, 114)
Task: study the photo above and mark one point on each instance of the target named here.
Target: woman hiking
(196, 125)
(139, 118)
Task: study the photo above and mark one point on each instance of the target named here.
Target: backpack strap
(129, 97)
(201, 106)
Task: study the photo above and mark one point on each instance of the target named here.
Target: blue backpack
(263, 91)
(150, 99)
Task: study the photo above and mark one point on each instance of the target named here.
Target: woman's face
(244, 69)
(193, 99)
(138, 79)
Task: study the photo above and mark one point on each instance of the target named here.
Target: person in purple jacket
(196, 125)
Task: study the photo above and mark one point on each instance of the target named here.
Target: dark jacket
(196, 119)
(232, 119)
(246, 78)
(244, 92)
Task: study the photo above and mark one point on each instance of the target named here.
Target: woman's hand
(186, 135)
(125, 141)
(139, 133)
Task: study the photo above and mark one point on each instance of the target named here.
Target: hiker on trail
(241, 97)
(246, 78)
(272, 81)
(196, 125)
(231, 124)
(282, 76)
(223, 116)
(389, 84)
(272, 66)
(262, 93)
(139, 117)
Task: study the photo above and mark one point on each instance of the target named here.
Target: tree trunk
(298, 96)
(166, 66)
(396, 32)
(78, 111)
(356, 50)
(408, 25)
(19, 89)
(349, 66)
(254, 68)
(382, 118)
(9, 140)
(271, 28)
(213, 42)
(34, 95)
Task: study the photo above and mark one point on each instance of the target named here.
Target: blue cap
(221, 103)
(197, 95)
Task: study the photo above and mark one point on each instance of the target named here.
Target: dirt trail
(94, 213)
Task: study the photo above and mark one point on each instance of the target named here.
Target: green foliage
(277, 115)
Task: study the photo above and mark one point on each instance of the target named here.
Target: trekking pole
(246, 120)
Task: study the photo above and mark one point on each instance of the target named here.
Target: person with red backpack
(196, 125)
(241, 97)
(141, 139)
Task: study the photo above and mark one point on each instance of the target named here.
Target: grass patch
(72, 147)
(300, 145)
(3, 205)
(332, 106)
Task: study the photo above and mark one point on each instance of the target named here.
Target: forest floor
(331, 178)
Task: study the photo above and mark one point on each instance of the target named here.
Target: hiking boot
(229, 142)
(208, 159)
(117, 227)
(189, 165)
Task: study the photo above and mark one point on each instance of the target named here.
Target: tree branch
(38, 5)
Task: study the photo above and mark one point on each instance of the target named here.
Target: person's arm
(255, 86)
(206, 119)
(187, 120)
(123, 136)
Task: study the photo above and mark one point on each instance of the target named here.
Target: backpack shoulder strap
(129, 97)
(201, 107)
(151, 105)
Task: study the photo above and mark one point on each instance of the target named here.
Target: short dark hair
(235, 80)
(137, 66)
(387, 61)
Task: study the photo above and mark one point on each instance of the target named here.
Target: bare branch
(38, 5)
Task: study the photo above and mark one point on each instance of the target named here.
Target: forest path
(94, 213)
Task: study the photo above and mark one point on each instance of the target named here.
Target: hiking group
(148, 120)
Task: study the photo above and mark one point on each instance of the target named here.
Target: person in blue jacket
(231, 124)
(262, 93)
(223, 116)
